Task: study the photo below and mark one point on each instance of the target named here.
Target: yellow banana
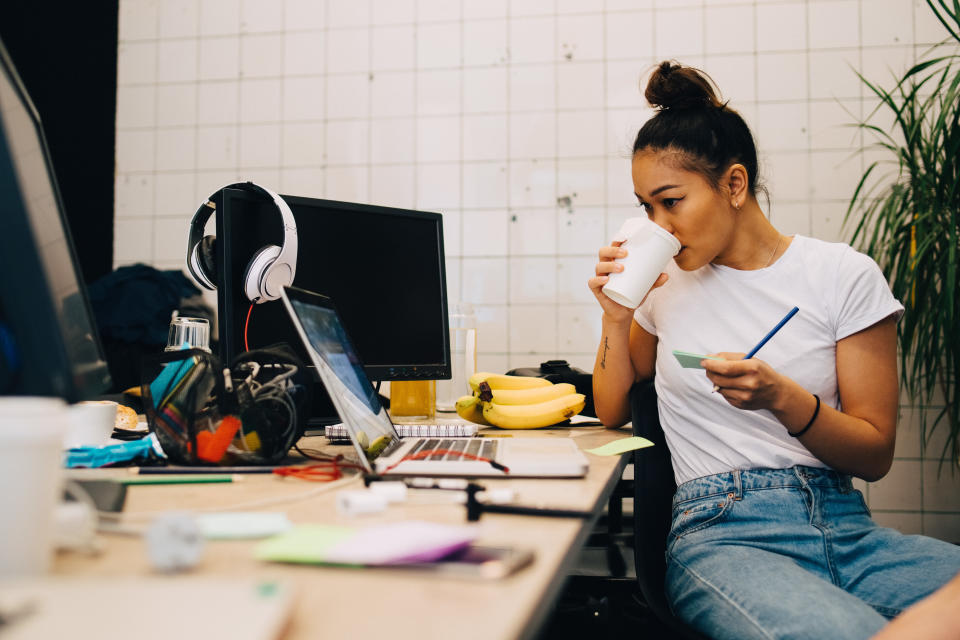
(533, 416)
(470, 408)
(500, 381)
(526, 396)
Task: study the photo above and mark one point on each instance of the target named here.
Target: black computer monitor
(384, 267)
(48, 340)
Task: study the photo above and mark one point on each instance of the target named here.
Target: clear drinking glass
(463, 356)
(188, 333)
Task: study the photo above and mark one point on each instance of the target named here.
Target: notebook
(375, 437)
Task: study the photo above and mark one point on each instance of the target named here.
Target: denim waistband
(739, 480)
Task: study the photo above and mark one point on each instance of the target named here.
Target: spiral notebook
(339, 431)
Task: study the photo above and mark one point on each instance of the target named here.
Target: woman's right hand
(607, 265)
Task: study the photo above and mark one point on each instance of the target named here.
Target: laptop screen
(341, 372)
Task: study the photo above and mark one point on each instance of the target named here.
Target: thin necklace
(770, 261)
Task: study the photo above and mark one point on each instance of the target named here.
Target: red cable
(318, 472)
(442, 452)
(332, 469)
(246, 325)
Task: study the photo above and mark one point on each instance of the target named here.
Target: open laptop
(374, 436)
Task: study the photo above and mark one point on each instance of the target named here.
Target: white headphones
(271, 267)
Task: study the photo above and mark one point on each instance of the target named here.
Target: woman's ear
(736, 181)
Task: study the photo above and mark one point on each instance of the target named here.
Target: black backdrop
(66, 54)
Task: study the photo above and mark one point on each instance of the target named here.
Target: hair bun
(674, 86)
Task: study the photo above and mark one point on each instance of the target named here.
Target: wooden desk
(366, 603)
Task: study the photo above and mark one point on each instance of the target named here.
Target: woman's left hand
(745, 384)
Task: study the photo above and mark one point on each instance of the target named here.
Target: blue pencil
(779, 326)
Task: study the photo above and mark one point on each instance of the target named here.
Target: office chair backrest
(654, 487)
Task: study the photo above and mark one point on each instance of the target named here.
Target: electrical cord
(246, 326)
(276, 391)
(244, 506)
(312, 454)
(321, 471)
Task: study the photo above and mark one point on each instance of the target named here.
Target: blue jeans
(792, 553)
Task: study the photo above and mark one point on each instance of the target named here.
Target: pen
(201, 470)
(773, 331)
(198, 479)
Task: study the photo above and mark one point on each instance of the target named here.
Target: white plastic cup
(649, 248)
(31, 474)
(90, 424)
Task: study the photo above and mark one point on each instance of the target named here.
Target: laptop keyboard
(474, 447)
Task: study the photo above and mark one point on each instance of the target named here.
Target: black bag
(560, 371)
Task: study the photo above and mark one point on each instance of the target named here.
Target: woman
(768, 538)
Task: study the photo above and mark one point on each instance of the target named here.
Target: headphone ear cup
(254, 278)
(207, 258)
(196, 263)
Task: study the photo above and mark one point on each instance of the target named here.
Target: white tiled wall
(514, 118)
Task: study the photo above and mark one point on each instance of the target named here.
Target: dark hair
(706, 135)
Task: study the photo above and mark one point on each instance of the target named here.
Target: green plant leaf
(907, 219)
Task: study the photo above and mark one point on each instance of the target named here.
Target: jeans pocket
(698, 514)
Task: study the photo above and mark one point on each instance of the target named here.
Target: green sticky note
(306, 543)
(691, 360)
(620, 446)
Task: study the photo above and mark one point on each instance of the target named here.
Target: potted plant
(908, 220)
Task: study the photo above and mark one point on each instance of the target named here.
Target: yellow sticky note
(620, 446)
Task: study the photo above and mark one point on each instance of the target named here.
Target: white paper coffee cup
(90, 423)
(649, 248)
(31, 461)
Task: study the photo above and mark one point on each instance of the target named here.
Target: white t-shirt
(839, 292)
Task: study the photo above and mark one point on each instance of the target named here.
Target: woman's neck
(755, 242)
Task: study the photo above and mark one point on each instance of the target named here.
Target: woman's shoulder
(822, 247)
(851, 283)
(831, 255)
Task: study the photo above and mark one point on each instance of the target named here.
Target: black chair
(653, 489)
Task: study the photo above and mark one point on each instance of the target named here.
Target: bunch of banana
(518, 402)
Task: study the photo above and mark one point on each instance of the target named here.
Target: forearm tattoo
(603, 358)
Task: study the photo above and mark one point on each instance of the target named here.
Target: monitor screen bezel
(45, 366)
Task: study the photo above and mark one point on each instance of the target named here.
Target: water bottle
(463, 356)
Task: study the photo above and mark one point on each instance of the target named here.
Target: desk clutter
(202, 412)
(175, 540)
(383, 531)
